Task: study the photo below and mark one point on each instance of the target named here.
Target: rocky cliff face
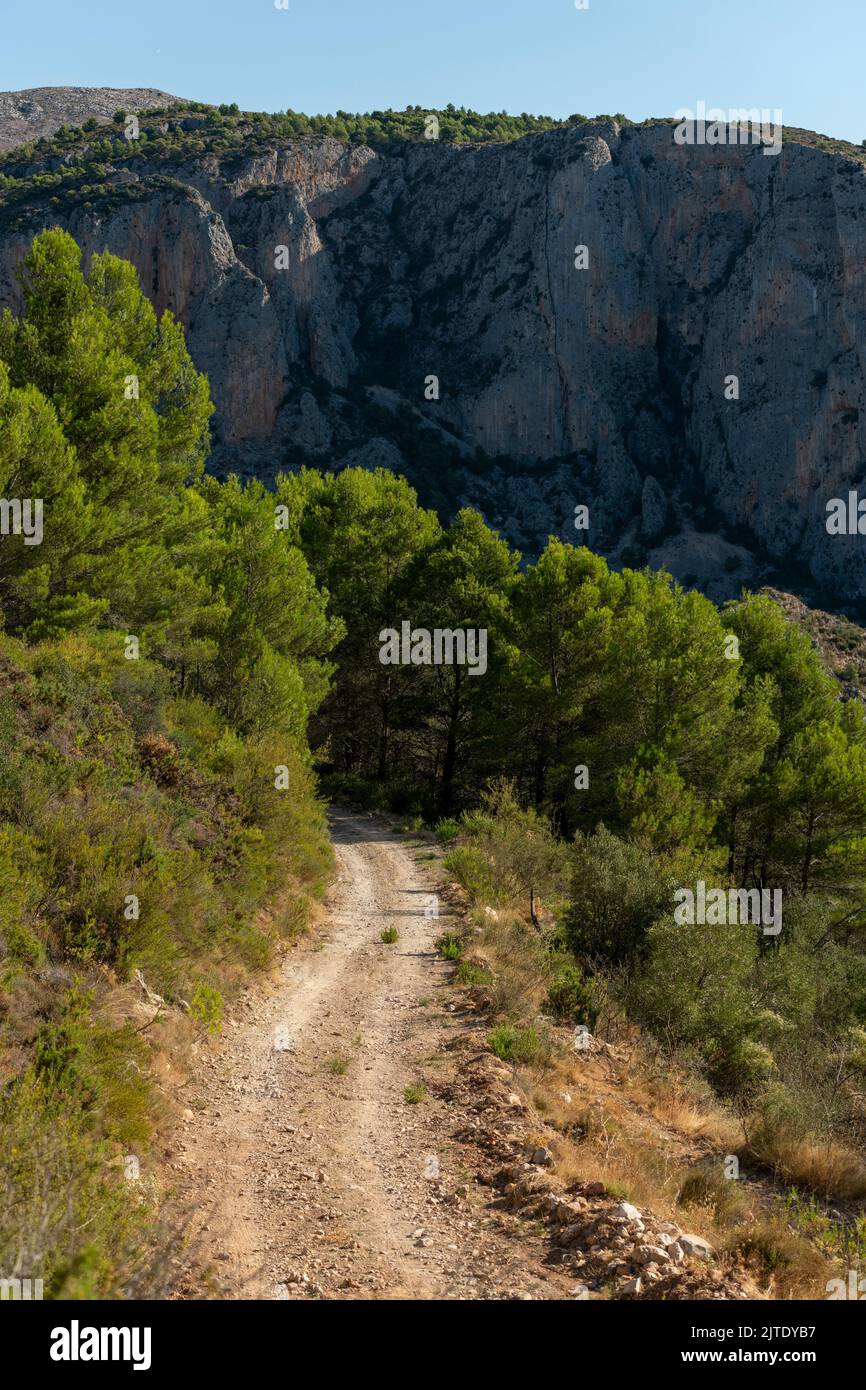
(325, 287)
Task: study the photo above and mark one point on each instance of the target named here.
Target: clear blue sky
(642, 57)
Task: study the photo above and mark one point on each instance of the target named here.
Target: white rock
(633, 1286)
(627, 1212)
(651, 1254)
(696, 1245)
(543, 1157)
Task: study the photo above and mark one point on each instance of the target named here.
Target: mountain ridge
(37, 112)
(422, 260)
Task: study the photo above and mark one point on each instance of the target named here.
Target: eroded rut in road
(311, 1174)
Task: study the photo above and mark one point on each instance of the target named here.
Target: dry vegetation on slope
(617, 1119)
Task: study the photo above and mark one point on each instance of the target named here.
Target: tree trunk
(384, 730)
(532, 912)
(449, 761)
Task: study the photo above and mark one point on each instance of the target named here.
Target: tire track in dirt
(311, 1181)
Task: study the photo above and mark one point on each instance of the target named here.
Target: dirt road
(313, 1172)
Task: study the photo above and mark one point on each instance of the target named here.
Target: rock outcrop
(425, 305)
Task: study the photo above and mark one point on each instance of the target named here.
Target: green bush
(449, 946)
(570, 997)
(206, 1007)
(514, 1044)
(617, 891)
(447, 829)
(67, 1213)
(705, 1185)
(469, 866)
(740, 1067)
(469, 974)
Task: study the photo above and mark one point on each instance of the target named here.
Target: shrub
(469, 866)
(349, 788)
(570, 996)
(160, 758)
(447, 829)
(449, 946)
(617, 891)
(66, 1215)
(84, 1064)
(771, 1251)
(740, 1067)
(513, 1044)
(469, 974)
(206, 1007)
(779, 1140)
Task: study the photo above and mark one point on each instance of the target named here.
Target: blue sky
(643, 57)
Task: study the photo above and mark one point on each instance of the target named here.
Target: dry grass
(637, 1171)
(518, 964)
(828, 1168)
(705, 1188)
(649, 1171)
(644, 1125)
(780, 1261)
(677, 1100)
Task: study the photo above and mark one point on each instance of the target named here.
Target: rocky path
(314, 1168)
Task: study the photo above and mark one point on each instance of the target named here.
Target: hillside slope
(37, 112)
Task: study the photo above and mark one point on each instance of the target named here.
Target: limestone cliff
(324, 285)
